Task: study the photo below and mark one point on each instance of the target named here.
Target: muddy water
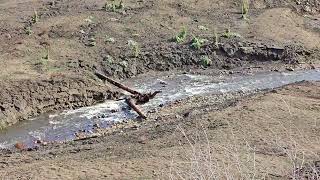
(63, 126)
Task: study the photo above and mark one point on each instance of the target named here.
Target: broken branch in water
(144, 98)
(132, 104)
(136, 98)
(115, 83)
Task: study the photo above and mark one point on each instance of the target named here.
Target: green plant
(47, 56)
(245, 9)
(3, 125)
(28, 30)
(113, 6)
(42, 62)
(203, 28)
(89, 20)
(134, 46)
(109, 39)
(206, 61)
(92, 42)
(182, 36)
(197, 43)
(35, 17)
(229, 34)
(108, 59)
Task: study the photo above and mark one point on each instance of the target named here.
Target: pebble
(19, 146)
(289, 69)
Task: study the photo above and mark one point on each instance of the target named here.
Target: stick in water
(117, 84)
(132, 104)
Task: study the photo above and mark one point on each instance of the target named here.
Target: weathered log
(132, 104)
(117, 84)
(144, 98)
(135, 98)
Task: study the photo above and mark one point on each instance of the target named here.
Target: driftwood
(135, 99)
(133, 105)
(115, 83)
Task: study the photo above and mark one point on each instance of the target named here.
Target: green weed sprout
(28, 30)
(109, 39)
(229, 34)
(197, 43)
(203, 28)
(3, 125)
(206, 61)
(134, 46)
(35, 17)
(245, 8)
(182, 36)
(47, 56)
(113, 6)
(89, 20)
(92, 42)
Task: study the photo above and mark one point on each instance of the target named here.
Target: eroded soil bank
(44, 39)
(23, 99)
(214, 136)
(49, 51)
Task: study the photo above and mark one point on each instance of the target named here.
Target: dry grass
(266, 148)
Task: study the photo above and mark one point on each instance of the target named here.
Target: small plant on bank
(113, 6)
(197, 43)
(3, 125)
(92, 42)
(229, 34)
(109, 39)
(182, 36)
(108, 59)
(203, 28)
(134, 46)
(89, 20)
(28, 30)
(35, 17)
(245, 9)
(47, 55)
(206, 61)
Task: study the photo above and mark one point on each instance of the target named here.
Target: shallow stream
(63, 126)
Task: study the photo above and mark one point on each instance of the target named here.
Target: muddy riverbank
(49, 51)
(261, 132)
(24, 99)
(85, 122)
(43, 39)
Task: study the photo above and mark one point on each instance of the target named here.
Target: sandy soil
(273, 135)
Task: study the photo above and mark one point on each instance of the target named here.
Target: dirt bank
(22, 99)
(39, 39)
(271, 135)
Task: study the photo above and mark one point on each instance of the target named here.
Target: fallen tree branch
(136, 98)
(115, 83)
(144, 98)
(132, 104)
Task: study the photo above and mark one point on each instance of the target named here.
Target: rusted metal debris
(135, 99)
